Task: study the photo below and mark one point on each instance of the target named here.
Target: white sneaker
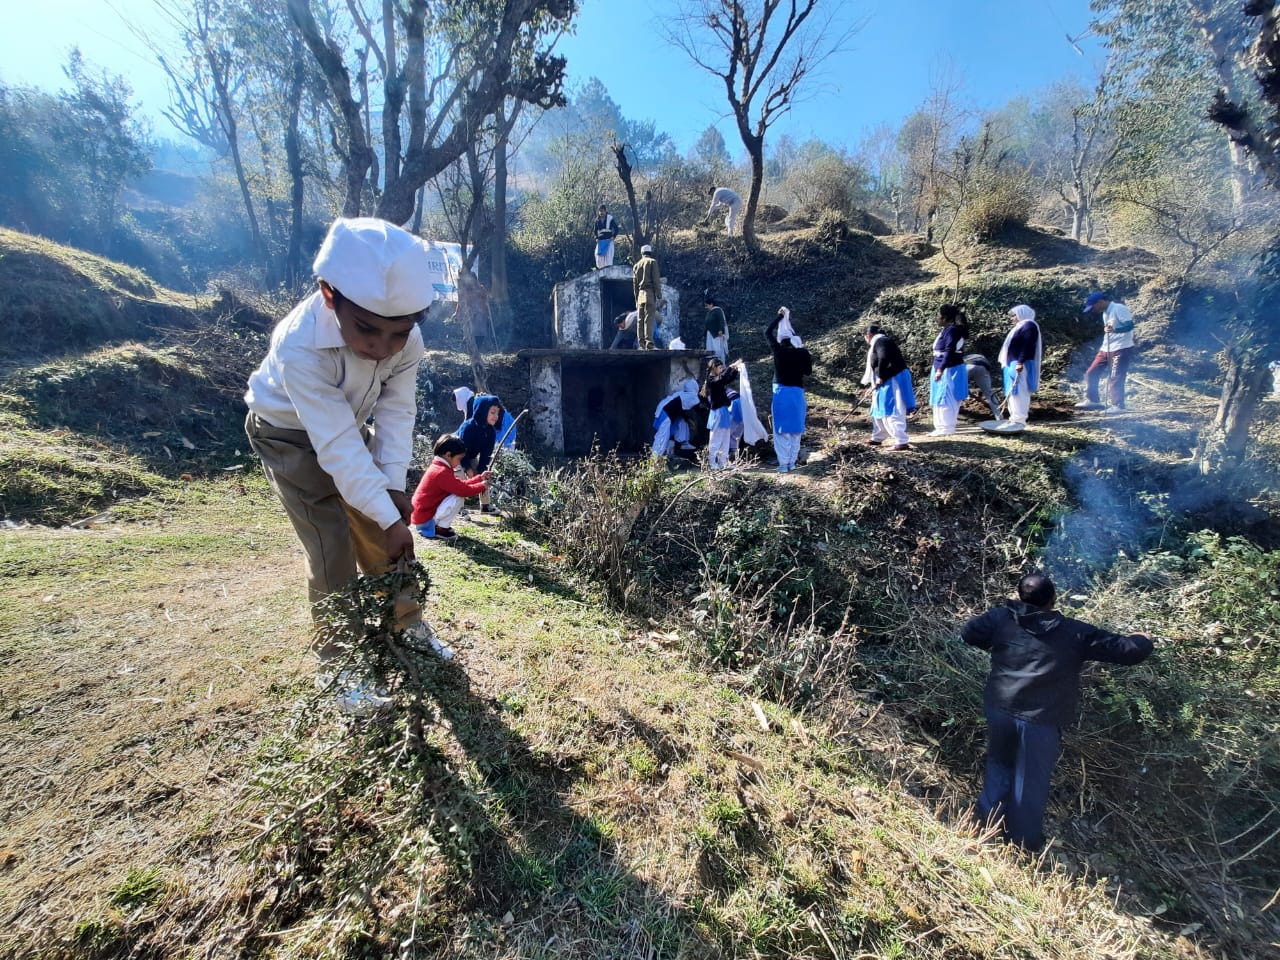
(1089, 405)
(357, 696)
(1115, 410)
(421, 634)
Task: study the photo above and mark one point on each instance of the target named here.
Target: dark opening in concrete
(611, 404)
(615, 298)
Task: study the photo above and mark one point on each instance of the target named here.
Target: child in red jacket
(440, 494)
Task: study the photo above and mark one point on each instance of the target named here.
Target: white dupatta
(753, 430)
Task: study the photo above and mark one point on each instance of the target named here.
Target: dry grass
(606, 798)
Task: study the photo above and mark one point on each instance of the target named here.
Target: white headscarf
(461, 395)
(868, 376)
(753, 430)
(786, 331)
(688, 394)
(1023, 314)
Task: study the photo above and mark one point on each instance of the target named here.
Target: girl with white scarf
(669, 423)
(1020, 359)
(791, 364)
(893, 395)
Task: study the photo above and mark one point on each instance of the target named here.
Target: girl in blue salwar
(1020, 360)
(950, 383)
(893, 395)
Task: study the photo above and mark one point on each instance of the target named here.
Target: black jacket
(720, 392)
(790, 364)
(1037, 656)
(886, 359)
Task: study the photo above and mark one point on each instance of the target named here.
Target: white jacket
(311, 380)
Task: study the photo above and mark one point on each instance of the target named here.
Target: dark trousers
(1020, 761)
(1118, 361)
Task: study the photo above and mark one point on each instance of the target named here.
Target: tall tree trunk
(417, 209)
(624, 173)
(1224, 441)
(755, 150)
(498, 293)
(293, 157)
(358, 156)
(226, 115)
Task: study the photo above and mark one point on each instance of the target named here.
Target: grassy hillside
(113, 386)
(691, 716)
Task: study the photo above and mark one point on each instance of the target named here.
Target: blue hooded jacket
(476, 433)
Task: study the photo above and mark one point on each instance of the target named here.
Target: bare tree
(1095, 144)
(1255, 333)
(763, 51)
(463, 59)
(624, 174)
(926, 139)
(204, 88)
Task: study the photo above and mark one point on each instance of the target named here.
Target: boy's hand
(403, 503)
(399, 541)
(486, 475)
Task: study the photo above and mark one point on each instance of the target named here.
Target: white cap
(376, 265)
(646, 249)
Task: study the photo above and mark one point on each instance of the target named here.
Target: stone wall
(581, 306)
(546, 402)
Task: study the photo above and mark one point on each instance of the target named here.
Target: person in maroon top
(441, 494)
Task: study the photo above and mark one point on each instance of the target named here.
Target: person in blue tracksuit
(1032, 692)
(950, 383)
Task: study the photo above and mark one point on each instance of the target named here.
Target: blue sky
(996, 49)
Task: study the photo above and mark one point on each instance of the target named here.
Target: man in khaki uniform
(646, 285)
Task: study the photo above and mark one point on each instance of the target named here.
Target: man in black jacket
(1033, 691)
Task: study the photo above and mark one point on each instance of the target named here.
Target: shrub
(586, 512)
(1000, 199)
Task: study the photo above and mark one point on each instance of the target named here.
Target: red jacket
(437, 483)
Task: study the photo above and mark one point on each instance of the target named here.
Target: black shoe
(489, 510)
(446, 534)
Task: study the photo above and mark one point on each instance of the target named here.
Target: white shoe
(1115, 410)
(356, 695)
(421, 635)
(1089, 405)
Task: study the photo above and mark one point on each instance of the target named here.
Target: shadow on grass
(533, 573)
(531, 852)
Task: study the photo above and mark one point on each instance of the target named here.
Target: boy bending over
(331, 413)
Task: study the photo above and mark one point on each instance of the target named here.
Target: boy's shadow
(527, 847)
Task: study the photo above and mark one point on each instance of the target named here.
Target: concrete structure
(585, 308)
(580, 392)
(581, 398)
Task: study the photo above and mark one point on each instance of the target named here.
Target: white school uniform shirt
(724, 197)
(311, 380)
(1114, 340)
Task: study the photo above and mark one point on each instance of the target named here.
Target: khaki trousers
(646, 307)
(336, 538)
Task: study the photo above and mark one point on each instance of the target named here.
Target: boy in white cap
(344, 356)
